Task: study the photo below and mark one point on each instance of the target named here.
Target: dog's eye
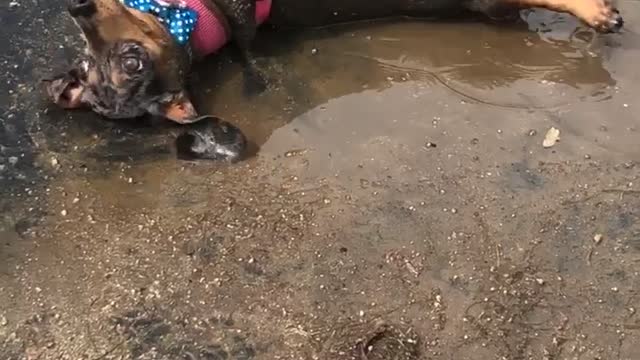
(131, 64)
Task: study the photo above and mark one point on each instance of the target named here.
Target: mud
(400, 204)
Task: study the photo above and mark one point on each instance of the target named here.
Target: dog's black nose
(213, 139)
(84, 8)
(617, 22)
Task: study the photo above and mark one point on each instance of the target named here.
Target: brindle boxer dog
(139, 51)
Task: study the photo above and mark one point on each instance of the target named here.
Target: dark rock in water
(213, 139)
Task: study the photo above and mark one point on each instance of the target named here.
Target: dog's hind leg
(599, 14)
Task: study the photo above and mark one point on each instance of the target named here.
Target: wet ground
(401, 204)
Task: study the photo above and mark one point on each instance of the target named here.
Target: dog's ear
(177, 107)
(65, 89)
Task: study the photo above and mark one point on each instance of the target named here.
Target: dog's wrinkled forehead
(132, 65)
(122, 85)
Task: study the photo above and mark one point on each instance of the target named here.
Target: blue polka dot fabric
(179, 19)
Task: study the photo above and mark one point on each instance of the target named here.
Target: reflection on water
(509, 67)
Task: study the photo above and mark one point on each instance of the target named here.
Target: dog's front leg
(242, 20)
(255, 82)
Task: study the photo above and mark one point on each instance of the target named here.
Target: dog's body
(135, 64)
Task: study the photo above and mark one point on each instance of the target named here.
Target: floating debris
(597, 238)
(552, 137)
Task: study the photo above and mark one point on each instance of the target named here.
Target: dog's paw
(600, 15)
(212, 139)
(255, 83)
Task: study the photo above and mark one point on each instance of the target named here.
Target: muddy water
(361, 81)
(400, 204)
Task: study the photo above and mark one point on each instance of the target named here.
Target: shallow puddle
(399, 200)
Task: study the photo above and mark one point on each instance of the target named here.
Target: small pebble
(63, 212)
(54, 161)
(540, 281)
(533, 132)
(3, 321)
(598, 238)
(314, 51)
(551, 138)
(430, 145)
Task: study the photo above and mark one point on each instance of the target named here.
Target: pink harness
(210, 34)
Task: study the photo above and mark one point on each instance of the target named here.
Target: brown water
(400, 206)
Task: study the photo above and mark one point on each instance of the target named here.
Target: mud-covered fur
(122, 86)
(133, 67)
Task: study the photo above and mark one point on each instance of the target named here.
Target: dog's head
(132, 65)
